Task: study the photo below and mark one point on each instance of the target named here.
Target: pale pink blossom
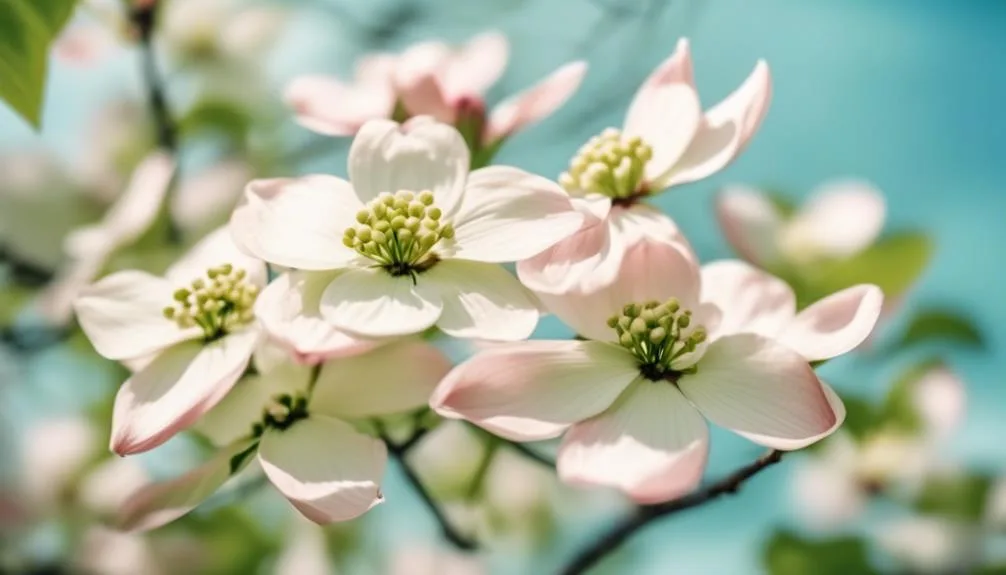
(195, 324)
(839, 220)
(412, 241)
(298, 433)
(666, 140)
(934, 545)
(53, 453)
(632, 400)
(434, 79)
(196, 29)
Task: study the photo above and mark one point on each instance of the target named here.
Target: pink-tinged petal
(476, 67)
(508, 214)
(667, 117)
(417, 80)
(836, 324)
(371, 303)
(418, 155)
(726, 129)
(750, 222)
(535, 389)
(216, 249)
(327, 106)
(325, 468)
(482, 301)
(750, 300)
(171, 393)
(161, 503)
(676, 69)
(652, 445)
(83, 44)
(535, 103)
(761, 390)
(123, 315)
(940, 398)
(376, 68)
(289, 309)
(394, 378)
(297, 222)
(649, 270)
(140, 203)
(840, 219)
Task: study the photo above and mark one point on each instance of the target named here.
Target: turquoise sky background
(908, 94)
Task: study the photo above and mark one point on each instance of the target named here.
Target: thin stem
(456, 538)
(621, 531)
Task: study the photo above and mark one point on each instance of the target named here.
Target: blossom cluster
(290, 335)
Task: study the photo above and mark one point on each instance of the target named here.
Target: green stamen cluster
(281, 412)
(609, 164)
(399, 230)
(219, 303)
(657, 334)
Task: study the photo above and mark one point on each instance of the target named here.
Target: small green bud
(684, 320)
(426, 197)
(613, 321)
(363, 216)
(657, 335)
(181, 295)
(638, 326)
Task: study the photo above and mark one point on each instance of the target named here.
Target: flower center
(399, 231)
(610, 164)
(219, 303)
(281, 412)
(658, 334)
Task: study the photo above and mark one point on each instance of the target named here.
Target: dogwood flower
(300, 434)
(414, 239)
(194, 329)
(666, 141)
(632, 399)
(840, 219)
(431, 78)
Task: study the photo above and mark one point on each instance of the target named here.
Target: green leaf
(789, 554)
(860, 417)
(218, 117)
(27, 29)
(942, 325)
(960, 497)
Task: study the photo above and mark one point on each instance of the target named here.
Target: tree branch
(620, 532)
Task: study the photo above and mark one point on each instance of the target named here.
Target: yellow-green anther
(218, 303)
(656, 334)
(181, 294)
(611, 164)
(399, 230)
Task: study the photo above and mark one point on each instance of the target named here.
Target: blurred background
(906, 95)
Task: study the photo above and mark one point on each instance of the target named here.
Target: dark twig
(624, 529)
(399, 451)
(529, 453)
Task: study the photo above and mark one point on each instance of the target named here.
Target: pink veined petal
(676, 69)
(835, 324)
(123, 315)
(840, 219)
(750, 300)
(535, 103)
(750, 223)
(395, 378)
(668, 118)
(297, 222)
(327, 106)
(761, 390)
(417, 80)
(418, 155)
(535, 389)
(652, 445)
(289, 309)
(160, 503)
(325, 468)
(725, 131)
(371, 303)
(216, 249)
(482, 301)
(174, 390)
(508, 214)
(650, 270)
(478, 65)
(569, 264)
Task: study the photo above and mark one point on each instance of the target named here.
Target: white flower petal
(328, 106)
(473, 69)
(171, 393)
(482, 301)
(835, 324)
(750, 300)
(123, 315)
(394, 378)
(840, 219)
(297, 222)
(137, 207)
(215, 249)
(652, 445)
(535, 389)
(372, 303)
(761, 390)
(750, 222)
(508, 214)
(667, 117)
(328, 470)
(418, 155)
